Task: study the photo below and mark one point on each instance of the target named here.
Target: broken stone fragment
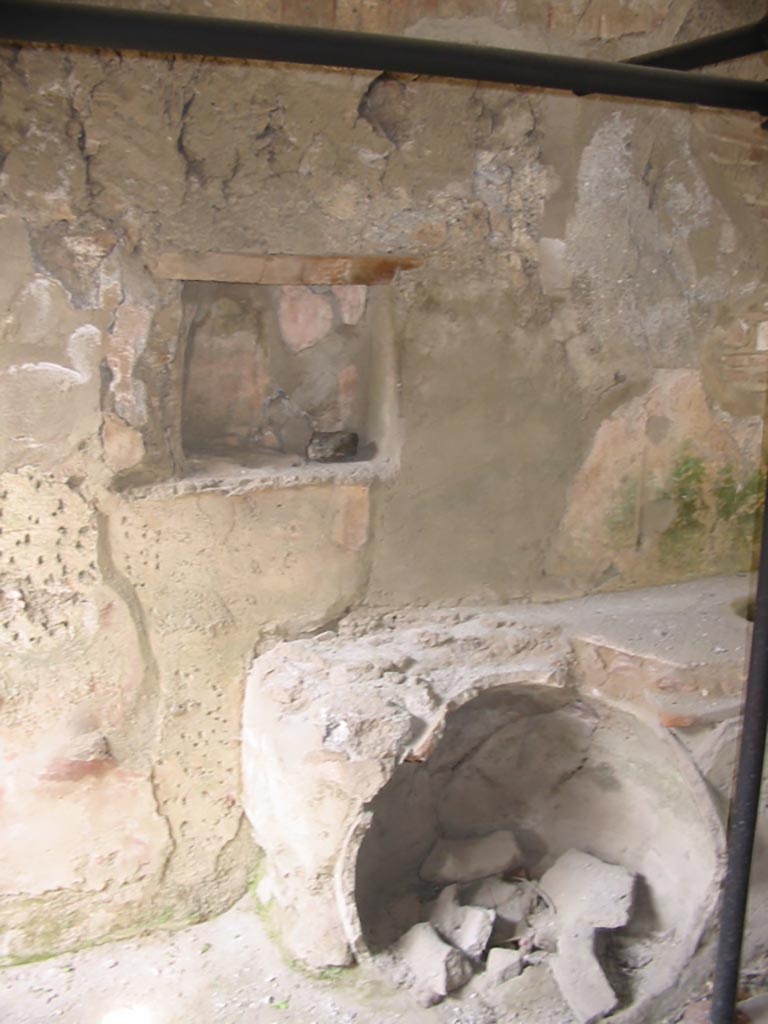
(467, 928)
(434, 967)
(512, 901)
(332, 445)
(287, 423)
(587, 891)
(586, 894)
(465, 860)
(543, 924)
(502, 965)
(580, 977)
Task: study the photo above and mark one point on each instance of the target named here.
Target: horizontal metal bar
(730, 45)
(110, 28)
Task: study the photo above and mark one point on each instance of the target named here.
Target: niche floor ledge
(223, 476)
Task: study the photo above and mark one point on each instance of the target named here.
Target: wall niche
(268, 368)
(289, 367)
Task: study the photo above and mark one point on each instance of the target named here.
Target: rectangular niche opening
(289, 382)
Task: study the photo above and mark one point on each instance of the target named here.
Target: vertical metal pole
(746, 803)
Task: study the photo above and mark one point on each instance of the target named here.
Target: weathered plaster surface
(583, 263)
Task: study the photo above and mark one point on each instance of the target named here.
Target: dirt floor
(228, 971)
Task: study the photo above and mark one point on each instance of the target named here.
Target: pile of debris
(491, 922)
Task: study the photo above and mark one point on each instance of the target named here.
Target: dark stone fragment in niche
(332, 445)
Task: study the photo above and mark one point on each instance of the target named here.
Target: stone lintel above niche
(272, 269)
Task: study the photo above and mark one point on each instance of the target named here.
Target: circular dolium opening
(561, 773)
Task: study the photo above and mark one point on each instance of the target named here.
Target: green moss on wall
(714, 513)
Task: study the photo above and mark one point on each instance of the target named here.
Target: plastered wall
(579, 373)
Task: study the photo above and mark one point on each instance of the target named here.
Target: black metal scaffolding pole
(82, 25)
(737, 42)
(746, 803)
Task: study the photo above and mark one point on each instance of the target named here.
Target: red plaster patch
(352, 518)
(305, 317)
(347, 384)
(127, 340)
(351, 299)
